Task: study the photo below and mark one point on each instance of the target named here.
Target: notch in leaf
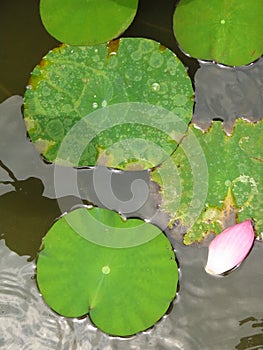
(124, 290)
(228, 32)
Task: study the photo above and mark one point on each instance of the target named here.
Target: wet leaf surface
(125, 289)
(232, 189)
(103, 99)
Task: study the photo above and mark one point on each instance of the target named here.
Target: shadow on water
(255, 341)
(26, 215)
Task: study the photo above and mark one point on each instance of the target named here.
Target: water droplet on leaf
(156, 87)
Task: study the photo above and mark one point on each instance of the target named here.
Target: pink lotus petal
(229, 248)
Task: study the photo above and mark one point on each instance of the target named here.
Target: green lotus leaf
(125, 289)
(218, 178)
(123, 106)
(87, 22)
(229, 32)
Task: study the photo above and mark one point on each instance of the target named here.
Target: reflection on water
(25, 321)
(228, 93)
(23, 221)
(253, 341)
(26, 215)
(27, 204)
(23, 42)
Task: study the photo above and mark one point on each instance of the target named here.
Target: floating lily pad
(217, 177)
(122, 106)
(229, 32)
(124, 290)
(87, 22)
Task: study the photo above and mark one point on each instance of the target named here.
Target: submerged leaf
(230, 248)
(123, 106)
(229, 32)
(87, 22)
(125, 289)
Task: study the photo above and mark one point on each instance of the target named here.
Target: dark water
(209, 313)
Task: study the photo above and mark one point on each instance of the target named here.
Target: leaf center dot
(105, 270)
